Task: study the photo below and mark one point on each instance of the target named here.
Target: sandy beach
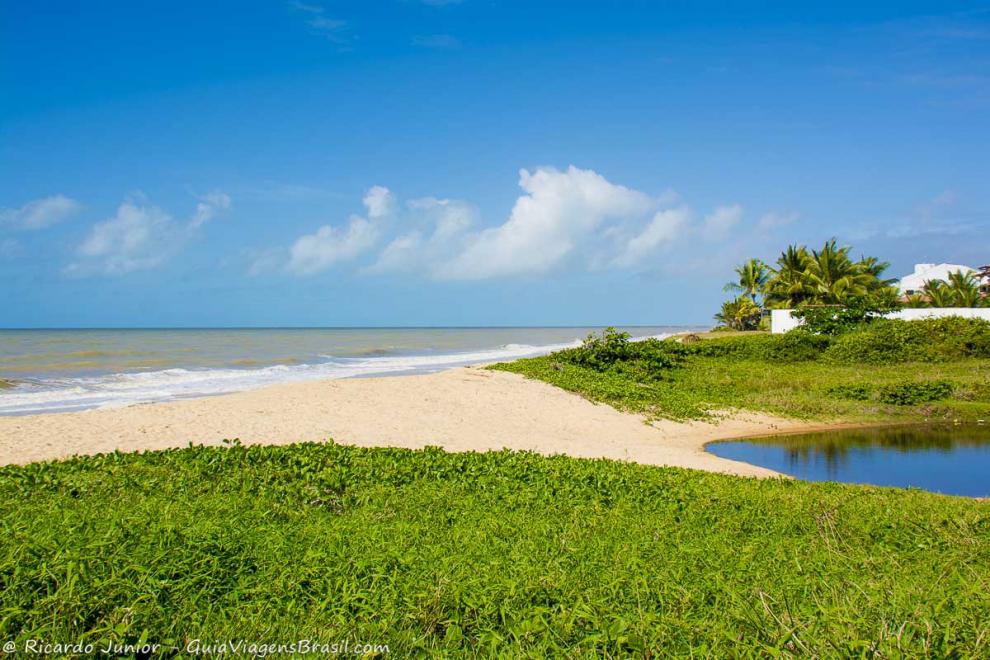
(462, 409)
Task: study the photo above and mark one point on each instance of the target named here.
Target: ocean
(67, 370)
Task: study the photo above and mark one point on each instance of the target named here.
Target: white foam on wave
(123, 389)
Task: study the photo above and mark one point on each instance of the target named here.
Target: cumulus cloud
(40, 213)
(441, 226)
(720, 223)
(208, 207)
(140, 236)
(562, 218)
(663, 229)
(136, 238)
(379, 202)
(315, 253)
(558, 212)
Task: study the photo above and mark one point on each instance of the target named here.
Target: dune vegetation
(508, 554)
(883, 371)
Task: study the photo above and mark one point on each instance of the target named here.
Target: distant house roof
(928, 272)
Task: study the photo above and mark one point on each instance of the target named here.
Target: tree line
(802, 279)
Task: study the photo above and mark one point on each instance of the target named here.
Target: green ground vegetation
(882, 371)
(465, 555)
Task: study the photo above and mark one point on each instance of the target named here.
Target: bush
(854, 392)
(898, 394)
(794, 346)
(836, 320)
(612, 350)
(909, 394)
(599, 352)
(891, 341)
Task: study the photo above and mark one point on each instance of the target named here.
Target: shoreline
(73, 389)
(459, 409)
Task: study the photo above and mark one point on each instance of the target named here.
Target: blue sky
(472, 163)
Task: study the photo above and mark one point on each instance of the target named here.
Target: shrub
(890, 341)
(839, 319)
(898, 394)
(599, 352)
(854, 392)
(612, 350)
(909, 394)
(795, 346)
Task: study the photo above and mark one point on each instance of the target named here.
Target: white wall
(782, 320)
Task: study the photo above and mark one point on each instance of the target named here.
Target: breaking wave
(122, 389)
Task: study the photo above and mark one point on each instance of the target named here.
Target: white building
(915, 282)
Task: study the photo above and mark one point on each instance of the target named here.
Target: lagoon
(949, 459)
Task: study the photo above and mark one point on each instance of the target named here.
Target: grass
(508, 554)
(806, 389)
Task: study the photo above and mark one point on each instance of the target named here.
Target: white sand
(461, 409)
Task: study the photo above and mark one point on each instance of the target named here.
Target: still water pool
(954, 460)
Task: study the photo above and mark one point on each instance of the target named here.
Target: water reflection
(946, 459)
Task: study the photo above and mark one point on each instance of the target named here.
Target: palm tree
(875, 268)
(834, 278)
(753, 275)
(965, 289)
(787, 286)
(739, 314)
(939, 294)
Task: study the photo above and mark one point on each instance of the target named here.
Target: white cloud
(208, 207)
(140, 236)
(40, 213)
(402, 254)
(317, 252)
(773, 220)
(379, 202)
(442, 226)
(559, 212)
(563, 218)
(665, 227)
(720, 223)
(136, 238)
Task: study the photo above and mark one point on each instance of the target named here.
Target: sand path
(461, 409)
